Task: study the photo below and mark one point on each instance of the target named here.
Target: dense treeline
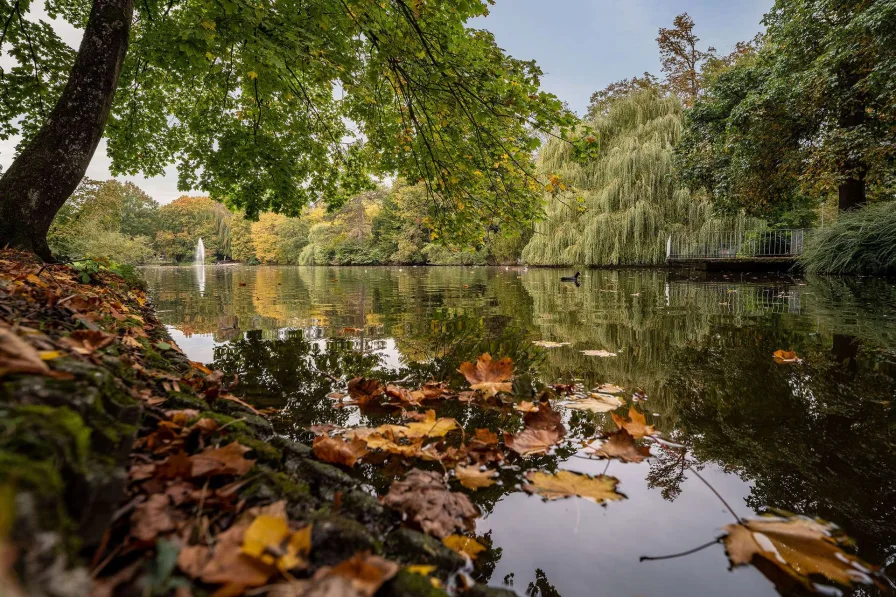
(118, 221)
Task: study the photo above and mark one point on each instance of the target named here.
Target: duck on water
(574, 279)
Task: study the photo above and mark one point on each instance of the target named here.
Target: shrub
(860, 242)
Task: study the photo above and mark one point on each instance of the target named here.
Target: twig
(678, 555)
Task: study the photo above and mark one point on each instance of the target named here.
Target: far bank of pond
(815, 437)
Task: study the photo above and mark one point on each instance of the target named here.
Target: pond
(693, 352)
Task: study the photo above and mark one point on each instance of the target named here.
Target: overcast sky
(582, 45)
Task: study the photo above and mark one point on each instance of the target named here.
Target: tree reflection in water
(817, 437)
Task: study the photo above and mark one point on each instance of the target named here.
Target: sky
(581, 45)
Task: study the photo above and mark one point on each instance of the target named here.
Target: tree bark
(851, 194)
(52, 165)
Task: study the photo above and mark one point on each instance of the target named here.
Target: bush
(860, 242)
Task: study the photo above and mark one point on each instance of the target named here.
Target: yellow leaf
(421, 569)
(297, 550)
(253, 75)
(49, 355)
(465, 546)
(473, 478)
(265, 535)
(564, 484)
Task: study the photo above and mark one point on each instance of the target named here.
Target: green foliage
(620, 208)
(243, 97)
(814, 108)
(106, 220)
(860, 242)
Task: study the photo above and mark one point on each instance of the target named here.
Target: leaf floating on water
(599, 353)
(783, 357)
(532, 441)
(545, 418)
(621, 446)
(565, 484)
(596, 403)
(609, 388)
(465, 546)
(796, 548)
(473, 478)
(488, 376)
(339, 451)
(637, 426)
(526, 407)
(425, 499)
(364, 390)
(362, 575)
(549, 344)
(429, 427)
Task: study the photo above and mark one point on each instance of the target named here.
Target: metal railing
(748, 244)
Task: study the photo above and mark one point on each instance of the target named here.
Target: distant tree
(242, 96)
(682, 59)
(602, 100)
(183, 222)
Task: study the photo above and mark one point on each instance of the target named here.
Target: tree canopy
(270, 105)
(811, 113)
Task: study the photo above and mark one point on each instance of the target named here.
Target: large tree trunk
(49, 169)
(851, 194)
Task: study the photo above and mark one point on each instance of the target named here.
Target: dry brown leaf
(88, 341)
(526, 407)
(487, 376)
(786, 357)
(596, 403)
(621, 445)
(486, 437)
(532, 441)
(473, 478)
(363, 390)
(18, 356)
(339, 451)
(564, 484)
(424, 498)
(151, 518)
(362, 575)
(799, 547)
(465, 546)
(609, 388)
(228, 460)
(404, 395)
(429, 427)
(229, 566)
(433, 390)
(598, 353)
(637, 426)
(545, 418)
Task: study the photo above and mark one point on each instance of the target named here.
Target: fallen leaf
(433, 390)
(473, 478)
(545, 418)
(549, 344)
(526, 407)
(799, 547)
(50, 355)
(18, 356)
(596, 403)
(151, 518)
(399, 393)
(339, 451)
(88, 341)
(465, 546)
(421, 569)
(598, 353)
(424, 498)
(487, 376)
(609, 388)
(263, 539)
(786, 357)
(363, 390)
(532, 441)
(228, 460)
(362, 575)
(621, 446)
(637, 426)
(430, 426)
(564, 484)
(229, 566)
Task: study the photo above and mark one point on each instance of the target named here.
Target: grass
(860, 242)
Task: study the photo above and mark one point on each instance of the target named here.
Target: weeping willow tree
(620, 208)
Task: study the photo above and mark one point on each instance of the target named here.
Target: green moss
(278, 486)
(409, 584)
(233, 425)
(182, 400)
(264, 451)
(46, 432)
(25, 472)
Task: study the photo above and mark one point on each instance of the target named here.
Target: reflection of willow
(817, 438)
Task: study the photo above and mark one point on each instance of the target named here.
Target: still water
(816, 438)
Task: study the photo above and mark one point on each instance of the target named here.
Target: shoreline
(110, 502)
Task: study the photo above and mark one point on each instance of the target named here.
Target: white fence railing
(738, 245)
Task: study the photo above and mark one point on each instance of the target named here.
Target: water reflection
(816, 439)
